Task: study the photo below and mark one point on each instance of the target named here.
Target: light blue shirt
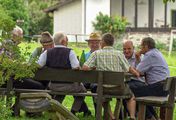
(133, 62)
(154, 66)
(87, 55)
(72, 57)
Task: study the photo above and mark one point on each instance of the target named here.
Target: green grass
(69, 99)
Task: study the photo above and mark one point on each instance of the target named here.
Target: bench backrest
(114, 78)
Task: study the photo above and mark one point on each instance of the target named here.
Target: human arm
(42, 59)
(73, 60)
(90, 63)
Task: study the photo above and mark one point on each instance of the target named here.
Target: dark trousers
(26, 83)
(141, 89)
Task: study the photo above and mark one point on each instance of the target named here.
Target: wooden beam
(150, 14)
(136, 14)
(165, 15)
(123, 8)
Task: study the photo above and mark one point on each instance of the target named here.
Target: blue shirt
(87, 55)
(154, 66)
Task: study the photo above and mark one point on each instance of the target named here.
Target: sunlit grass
(171, 60)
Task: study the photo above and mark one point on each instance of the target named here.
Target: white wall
(93, 7)
(143, 13)
(68, 18)
(130, 11)
(158, 13)
(116, 7)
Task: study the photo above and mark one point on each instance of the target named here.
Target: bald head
(128, 49)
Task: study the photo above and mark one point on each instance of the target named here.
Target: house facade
(76, 16)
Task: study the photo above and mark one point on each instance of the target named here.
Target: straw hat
(94, 36)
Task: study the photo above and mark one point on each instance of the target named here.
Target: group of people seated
(147, 65)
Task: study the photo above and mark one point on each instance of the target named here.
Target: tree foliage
(104, 23)
(165, 1)
(6, 22)
(17, 10)
(40, 21)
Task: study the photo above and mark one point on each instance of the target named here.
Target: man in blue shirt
(94, 44)
(155, 69)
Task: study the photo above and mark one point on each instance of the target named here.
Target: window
(173, 18)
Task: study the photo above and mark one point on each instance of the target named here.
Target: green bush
(174, 44)
(106, 24)
(161, 46)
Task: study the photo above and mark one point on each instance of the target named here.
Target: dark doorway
(173, 16)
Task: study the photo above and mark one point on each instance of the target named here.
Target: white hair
(17, 31)
(58, 37)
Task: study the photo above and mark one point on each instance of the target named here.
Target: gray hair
(58, 37)
(149, 42)
(128, 42)
(17, 31)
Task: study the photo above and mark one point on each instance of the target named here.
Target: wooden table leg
(141, 113)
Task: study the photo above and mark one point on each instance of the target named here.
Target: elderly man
(134, 59)
(46, 42)
(62, 57)
(94, 44)
(154, 67)
(108, 59)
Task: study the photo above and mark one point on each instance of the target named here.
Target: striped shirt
(108, 59)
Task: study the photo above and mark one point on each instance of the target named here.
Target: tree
(115, 25)
(165, 1)
(40, 21)
(6, 23)
(17, 10)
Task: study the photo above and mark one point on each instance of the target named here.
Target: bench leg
(169, 113)
(141, 113)
(162, 113)
(17, 106)
(107, 110)
(99, 110)
(118, 108)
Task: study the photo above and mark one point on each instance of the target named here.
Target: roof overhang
(57, 6)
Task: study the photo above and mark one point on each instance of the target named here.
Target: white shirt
(72, 57)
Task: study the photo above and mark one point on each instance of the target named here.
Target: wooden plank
(106, 110)
(118, 108)
(169, 113)
(100, 96)
(165, 15)
(114, 78)
(62, 110)
(141, 113)
(123, 8)
(136, 14)
(66, 75)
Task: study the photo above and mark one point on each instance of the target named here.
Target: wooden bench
(99, 77)
(164, 102)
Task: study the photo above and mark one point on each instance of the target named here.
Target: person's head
(107, 40)
(60, 39)
(17, 35)
(147, 44)
(128, 49)
(46, 40)
(94, 41)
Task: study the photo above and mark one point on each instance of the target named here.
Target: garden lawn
(69, 99)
